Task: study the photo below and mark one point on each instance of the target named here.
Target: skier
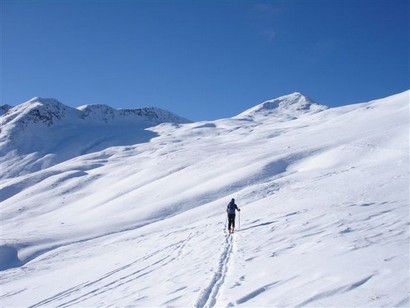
(231, 211)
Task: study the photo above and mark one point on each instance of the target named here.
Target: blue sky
(203, 60)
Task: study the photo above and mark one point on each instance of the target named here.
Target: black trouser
(231, 221)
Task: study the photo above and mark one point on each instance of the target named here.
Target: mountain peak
(37, 110)
(289, 106)
(43, 100)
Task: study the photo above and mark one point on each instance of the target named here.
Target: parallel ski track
(114, 278)
(210, 294)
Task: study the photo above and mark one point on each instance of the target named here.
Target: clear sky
(203, 60)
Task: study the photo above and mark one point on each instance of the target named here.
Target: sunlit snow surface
(140, 220)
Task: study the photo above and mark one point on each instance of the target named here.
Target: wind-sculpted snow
(324, 200)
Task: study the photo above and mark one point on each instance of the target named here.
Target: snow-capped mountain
(45, 132)
(135, 216)
(287, 107)
(50, 111)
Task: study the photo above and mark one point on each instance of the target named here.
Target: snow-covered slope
(324, 222)
(43, 132)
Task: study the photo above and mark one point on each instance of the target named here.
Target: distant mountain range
(44, 132)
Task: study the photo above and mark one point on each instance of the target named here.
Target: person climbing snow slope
(231, 211)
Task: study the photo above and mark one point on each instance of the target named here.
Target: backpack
(231, 208)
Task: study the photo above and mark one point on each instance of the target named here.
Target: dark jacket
(232, 207)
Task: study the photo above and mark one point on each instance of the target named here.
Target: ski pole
(239, 220)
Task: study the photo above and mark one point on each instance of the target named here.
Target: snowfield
(101, 207)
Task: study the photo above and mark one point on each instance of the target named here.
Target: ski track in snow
(209, 295)
(115, 278)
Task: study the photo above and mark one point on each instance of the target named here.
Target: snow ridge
(49, 112)
(151, 115)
